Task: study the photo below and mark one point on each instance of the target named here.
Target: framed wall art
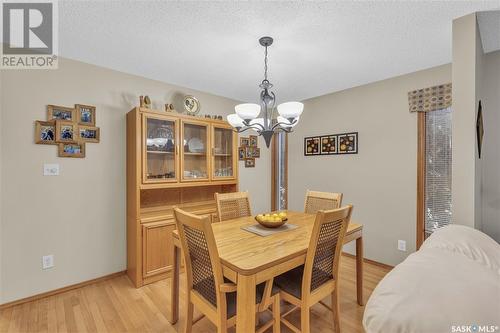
(250, 163)
(45, 132)
(88, 133)
(252, 140)
(311, 146)
(242, 154)
(348, 143)
(65, 131)
(328, 145)
(55, 112)
(85, 114)
(255, 152)
(244, 142)
(76, 150)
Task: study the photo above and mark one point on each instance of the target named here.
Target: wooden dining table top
(247, 253)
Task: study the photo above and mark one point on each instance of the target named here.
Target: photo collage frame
(68, 128)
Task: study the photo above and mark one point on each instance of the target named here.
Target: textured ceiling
(320, 47)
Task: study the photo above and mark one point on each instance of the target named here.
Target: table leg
(245, 304)
(359, 269)
(174, 287)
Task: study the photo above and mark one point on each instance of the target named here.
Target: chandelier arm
(280, 124)
(246, 128)
(285, 130)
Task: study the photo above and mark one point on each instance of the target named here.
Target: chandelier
(247, 114)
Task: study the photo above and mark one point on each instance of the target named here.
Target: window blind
(437, 169)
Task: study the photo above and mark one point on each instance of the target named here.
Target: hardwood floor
(115, 305)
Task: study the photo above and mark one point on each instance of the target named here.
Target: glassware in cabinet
(160, 162)
(223, 158)
(194, 160)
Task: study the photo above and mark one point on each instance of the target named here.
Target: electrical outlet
(48, 261)
(51, 169)
(401, 245)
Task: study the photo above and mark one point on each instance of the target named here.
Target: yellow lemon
(282, 215)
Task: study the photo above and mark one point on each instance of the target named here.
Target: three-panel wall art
(334, 144)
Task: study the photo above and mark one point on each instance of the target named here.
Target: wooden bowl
(271, 224)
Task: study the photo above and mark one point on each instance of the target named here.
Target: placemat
(264, 232)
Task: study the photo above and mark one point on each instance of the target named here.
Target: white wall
(380, 181)
(78, 216)
(490, 154)
(466, 71)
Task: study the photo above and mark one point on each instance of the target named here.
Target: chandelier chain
(265, 64)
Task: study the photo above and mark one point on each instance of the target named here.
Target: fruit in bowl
(274, 220)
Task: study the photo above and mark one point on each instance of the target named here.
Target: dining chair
(232, 205)
(321, 201)
(207, 289)
(308, 284)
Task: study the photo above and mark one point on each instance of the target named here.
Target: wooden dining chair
(321, 201)
(308, 284)
(207, 289)
(232, 205)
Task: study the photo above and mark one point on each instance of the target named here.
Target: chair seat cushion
(259, 293)
(291, 281)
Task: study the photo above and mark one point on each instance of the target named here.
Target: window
(434, 172)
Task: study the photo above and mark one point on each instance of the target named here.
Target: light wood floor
(116, 306)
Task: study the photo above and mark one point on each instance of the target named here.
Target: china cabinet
(172, 160)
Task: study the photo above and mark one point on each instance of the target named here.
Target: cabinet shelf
(194, 154)
(160, 152)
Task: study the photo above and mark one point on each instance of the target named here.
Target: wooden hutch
(172, 160)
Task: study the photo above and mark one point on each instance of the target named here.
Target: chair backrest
(325, 247)
(316, 201)
(232, 205)
(203, 268)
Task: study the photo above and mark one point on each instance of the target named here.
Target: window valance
(430, 99)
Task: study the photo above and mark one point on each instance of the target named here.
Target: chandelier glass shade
(247, 114)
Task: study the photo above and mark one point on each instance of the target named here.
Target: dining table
(248, 259)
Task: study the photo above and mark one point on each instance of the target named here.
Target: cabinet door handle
(176, 149)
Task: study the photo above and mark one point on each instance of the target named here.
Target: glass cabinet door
(160, 140)
(194, 162)
(223, 158)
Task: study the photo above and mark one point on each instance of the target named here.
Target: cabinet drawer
(157, 247)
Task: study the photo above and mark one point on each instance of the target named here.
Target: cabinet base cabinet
(157, 246)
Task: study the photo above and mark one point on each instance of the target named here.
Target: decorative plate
(191, 105)
(195, 145)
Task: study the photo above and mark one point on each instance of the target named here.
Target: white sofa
(452, 284)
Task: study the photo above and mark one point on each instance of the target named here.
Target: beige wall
(466, 174)
(380, 181)
(490, 156)
(78, 216)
